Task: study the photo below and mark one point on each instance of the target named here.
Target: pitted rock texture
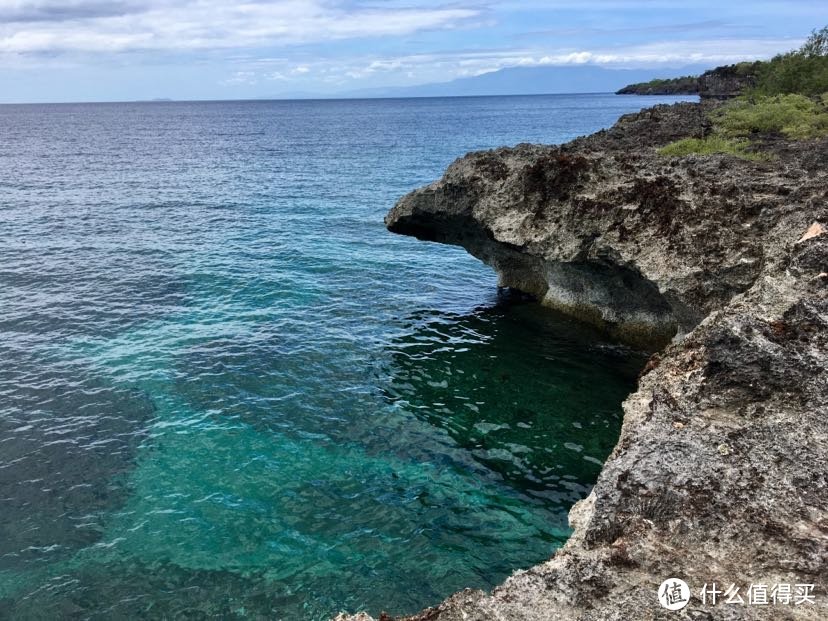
(610, 231)
(721, 471)
(729, 81)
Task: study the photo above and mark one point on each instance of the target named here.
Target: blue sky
(91, 50)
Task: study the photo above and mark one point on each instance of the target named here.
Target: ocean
(226, 391)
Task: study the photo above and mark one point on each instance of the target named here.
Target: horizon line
(162, 100)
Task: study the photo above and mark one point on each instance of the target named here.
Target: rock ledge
(719, 264)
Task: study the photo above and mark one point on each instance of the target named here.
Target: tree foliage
(817, 43)
(686, 85)
(803, 71)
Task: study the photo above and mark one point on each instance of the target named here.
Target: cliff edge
(686, 85)
(719, 83)
(720, 264)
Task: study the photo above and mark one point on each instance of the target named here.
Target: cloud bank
(37, 26)
(101, 49)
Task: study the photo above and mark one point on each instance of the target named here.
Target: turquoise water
(226, 391)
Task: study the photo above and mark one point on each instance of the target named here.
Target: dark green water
(227, 392)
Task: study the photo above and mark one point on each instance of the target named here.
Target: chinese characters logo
(673, 594)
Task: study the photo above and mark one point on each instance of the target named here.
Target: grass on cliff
(789, 97)
(711, 145)
(738, 122)
(796, 116)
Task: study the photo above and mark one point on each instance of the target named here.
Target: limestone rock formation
(721, 471)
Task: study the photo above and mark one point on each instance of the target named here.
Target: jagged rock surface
(586, 227)
(728, 81)
(721, 471)
(717, 84)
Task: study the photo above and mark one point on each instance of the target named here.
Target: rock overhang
(719, 471)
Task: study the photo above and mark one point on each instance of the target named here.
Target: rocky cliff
(718, 84)
(729, 81)
(718, 264)
(687, 85)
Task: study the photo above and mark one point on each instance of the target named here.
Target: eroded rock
(720, 471)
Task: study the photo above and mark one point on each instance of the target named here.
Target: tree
(816, 44)
(803, 71)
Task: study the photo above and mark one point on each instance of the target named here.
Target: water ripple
(226, 391)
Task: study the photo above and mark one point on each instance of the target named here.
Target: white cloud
(34, 26)
(242, 77)
(712, 51)
(471, 63)
(439, 67)
(288, 44)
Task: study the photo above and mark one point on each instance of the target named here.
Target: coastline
(719, 265)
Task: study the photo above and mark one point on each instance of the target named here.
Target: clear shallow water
(227, 391)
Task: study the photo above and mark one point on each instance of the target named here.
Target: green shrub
(789, 97)
(804, 71)
(709, 146)
(685, 85)
(793, 73)
(796, 116)
(746, 68)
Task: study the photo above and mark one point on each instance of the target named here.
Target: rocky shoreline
(719, 265)
(716, 84)
(687, 85)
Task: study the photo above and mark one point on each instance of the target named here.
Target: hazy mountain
(533, 81)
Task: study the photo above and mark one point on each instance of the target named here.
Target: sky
(115, 50)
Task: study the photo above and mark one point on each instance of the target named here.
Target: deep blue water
(226, 391)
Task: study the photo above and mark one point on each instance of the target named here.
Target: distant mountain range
(544, 80)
